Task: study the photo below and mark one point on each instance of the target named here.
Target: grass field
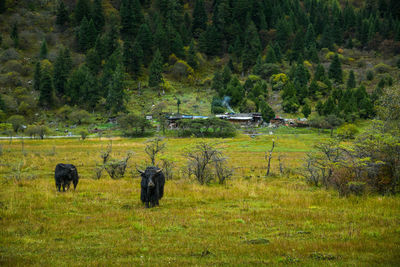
(252, 220)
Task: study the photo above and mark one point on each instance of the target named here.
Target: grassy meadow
(251, 220)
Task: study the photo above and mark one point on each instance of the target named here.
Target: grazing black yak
(152, 186)
(64, 174)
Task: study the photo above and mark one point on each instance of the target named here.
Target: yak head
(73, 174)
(149, 176)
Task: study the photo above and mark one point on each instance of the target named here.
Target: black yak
(64, 175)
(152, 186)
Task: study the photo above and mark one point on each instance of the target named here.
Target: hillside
(61, 58)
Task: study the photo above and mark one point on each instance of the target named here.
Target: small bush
(347, 131)
(356, 188)
(83, 134)
(382, 68)
(116, 168)
(370, 75)
(9, 54)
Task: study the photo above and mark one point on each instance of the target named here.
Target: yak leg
(147, 204)
(58, 187)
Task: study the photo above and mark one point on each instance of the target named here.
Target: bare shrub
(206, 163)
(167, 166)
(154, 147)
(116, 168)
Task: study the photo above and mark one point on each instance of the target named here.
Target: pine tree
(313, 88)
(82, 9)
(309, 40)
(267, 112)
(14, 35)
(91, 35)
(2, 6)
(131, 18)
(217, 83)
(37, 76)
(351, 82)
(46, 89)
(252, 46)
(109, 68)
(306, 110)
(98, 15)
(116, 97)
(335, 70)
(82, 88)
(226, 75)
(62, 68)
(83, 35)
(327, 38)
(191, 56)
(258, 67)
(156, 69)
(162, 41)
(270, 57)
(93, 61)
(319, 74)
(145, 39)
(301, 75)
(177, 46)
(199, 23)
(282, 33)
(235, 90)
(43, 50)
(111, 41)
(62, 16)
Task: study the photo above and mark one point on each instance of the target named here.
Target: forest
(274, 126)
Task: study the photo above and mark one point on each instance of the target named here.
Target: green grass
(252, 220)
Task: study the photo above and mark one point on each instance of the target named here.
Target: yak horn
(158, 170)
(140, 171)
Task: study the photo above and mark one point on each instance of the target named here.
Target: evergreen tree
(252, 46)
(211, 41)
(111, 41)
(235, 90)
(309, 40)
(108, 70)
(93, 61)
(37, 76)
(2, 6)
(301, 75)
(335, 70)
(14, 35)
(156, 69)
(351, 82)
(162, 41)
(267, 112)
(313, 88)
(306, 110)
(98, 15)
(131, 18)
(319, 74)
(91, 35)
(62, 16)
(145, 39)
(46, 89)
(62, 68)
(327, 38)
(270, 57)
(43, 50)
(116, 97)
(329, 107)
(177, 46)
(83, 35)
(191, 56)
(258, 67)
(82, 88)
(199, 15)
(217, 83)
(282, 33)
(278, 53)
(137, 57)
(226, 75)
(82, 9)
